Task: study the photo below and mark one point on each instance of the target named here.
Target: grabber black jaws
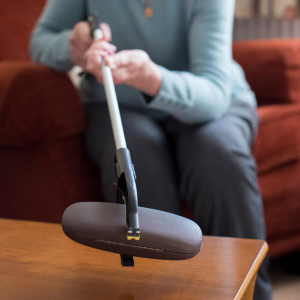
(93, 22)
(126, 191)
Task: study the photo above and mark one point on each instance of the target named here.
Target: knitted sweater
(190, 40)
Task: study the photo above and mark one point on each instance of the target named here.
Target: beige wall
(246, 9)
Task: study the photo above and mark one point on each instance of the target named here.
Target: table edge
(253, 271)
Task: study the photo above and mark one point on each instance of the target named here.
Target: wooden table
(38, 262)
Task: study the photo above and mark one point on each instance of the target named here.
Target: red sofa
(43, 165)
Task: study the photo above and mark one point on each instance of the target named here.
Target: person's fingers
(80, 41)
(102, 45)
(106, 32)
(119, 60)
(79, 48)
(83, 34)
(77, 54)
(96, 60)
(93, 62)
(120, 75)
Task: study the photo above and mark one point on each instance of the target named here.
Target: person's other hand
(134, 68)
(84, 50)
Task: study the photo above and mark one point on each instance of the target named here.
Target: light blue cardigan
(189, 39)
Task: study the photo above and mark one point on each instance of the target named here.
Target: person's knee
(219, 181)
(217, 154)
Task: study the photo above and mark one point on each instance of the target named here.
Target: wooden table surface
(38, 262)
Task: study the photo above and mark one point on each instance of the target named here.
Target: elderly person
(188, 113)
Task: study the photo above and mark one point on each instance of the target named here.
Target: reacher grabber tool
(144, 232)
(123, 167)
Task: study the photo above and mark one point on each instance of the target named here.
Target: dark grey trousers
(210, 166)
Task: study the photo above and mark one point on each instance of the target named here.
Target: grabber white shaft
(112, 101)
(113, 107)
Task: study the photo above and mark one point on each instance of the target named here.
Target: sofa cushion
(37, 104)
(272, 69)
(278, 141)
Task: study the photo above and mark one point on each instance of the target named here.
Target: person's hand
(84, 49)
(133, 68)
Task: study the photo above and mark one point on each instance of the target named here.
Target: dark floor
(285, 286)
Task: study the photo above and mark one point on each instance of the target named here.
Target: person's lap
(218, 176)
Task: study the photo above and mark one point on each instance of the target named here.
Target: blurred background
(266, 19)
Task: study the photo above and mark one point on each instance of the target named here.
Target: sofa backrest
(17, 19)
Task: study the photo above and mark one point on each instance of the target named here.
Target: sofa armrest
(272, 69)
(37, 104)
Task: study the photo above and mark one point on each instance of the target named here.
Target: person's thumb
(106, 32)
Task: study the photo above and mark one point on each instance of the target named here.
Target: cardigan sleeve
(49, 44)
(202, 94)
